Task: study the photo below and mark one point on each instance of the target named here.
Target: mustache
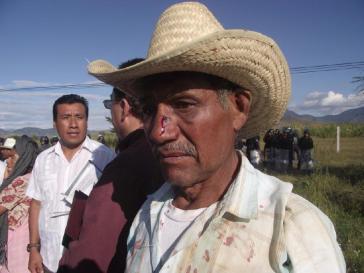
(184, 148)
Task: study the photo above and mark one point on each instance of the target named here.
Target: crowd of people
(283, 150)
(177, 196)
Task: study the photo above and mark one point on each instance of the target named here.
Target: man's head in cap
(200, 87)
(8, 148)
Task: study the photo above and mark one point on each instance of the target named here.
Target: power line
(294, 70)
(330, 67)
(55, 86)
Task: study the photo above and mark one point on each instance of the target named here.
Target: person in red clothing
(117, 197)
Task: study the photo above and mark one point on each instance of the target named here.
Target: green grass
(324, 130)
(337, 188)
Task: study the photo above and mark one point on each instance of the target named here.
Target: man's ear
(125, 109)
(242, 101)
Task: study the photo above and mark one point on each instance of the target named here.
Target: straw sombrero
(188, 37)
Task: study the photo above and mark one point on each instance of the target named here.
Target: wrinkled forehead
(169, 84)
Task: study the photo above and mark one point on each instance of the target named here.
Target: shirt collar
(240, 200)
(86, 144)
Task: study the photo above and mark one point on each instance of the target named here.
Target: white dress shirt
(2, 171)
(53, 182)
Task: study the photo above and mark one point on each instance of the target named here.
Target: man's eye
(182, 104)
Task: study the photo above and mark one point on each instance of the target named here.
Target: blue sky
(45, 42)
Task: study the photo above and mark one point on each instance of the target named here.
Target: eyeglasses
(107, 104)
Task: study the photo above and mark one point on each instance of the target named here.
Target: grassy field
(337, 188)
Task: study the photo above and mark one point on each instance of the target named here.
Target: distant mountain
(32, 131)
(290, 117)
(350, 116)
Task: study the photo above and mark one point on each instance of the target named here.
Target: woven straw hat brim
(247, 58)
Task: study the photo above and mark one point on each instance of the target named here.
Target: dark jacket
(305, 143)
(111, 208)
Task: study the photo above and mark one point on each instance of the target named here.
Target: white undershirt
(173, 222)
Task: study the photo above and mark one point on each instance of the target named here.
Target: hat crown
(181, 24)
(9, 143)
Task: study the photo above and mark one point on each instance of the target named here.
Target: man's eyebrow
(72, 114)
(181, 95)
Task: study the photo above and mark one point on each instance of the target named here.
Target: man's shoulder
(42, 155)
(95, 145)
(296, 204)
(300, 210)
(99, 148)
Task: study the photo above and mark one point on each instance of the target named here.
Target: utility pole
(338, 139)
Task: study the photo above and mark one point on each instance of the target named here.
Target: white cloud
(26, 83)
(333, 99)
(23, 84)
(328, 103)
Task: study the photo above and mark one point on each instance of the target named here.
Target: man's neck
(131, 127)
(69, 152)
(205, 193)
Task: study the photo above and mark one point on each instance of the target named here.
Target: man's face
(116, 113)
(6, 153)
(71, 124)
(189, 131)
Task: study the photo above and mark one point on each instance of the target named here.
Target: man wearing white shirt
(2, 171)
(9, 155)
(74, 163)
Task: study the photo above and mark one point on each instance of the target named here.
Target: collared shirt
(258, 226)
(53, 182)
